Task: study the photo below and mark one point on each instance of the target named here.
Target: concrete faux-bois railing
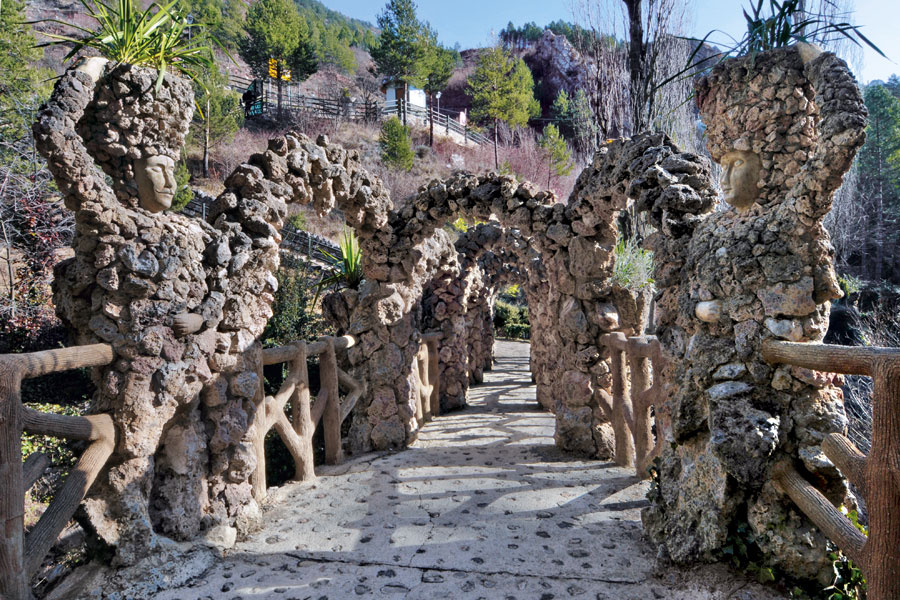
(21, 555)
(876, 475)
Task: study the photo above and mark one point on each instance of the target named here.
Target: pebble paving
(481, 506)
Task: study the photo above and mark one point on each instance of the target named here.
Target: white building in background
(394, 91)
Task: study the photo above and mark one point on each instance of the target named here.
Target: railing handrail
(637, 357)
(876, 475)
(280, 354)
(21, 555)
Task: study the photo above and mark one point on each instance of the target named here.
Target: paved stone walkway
(481, 506)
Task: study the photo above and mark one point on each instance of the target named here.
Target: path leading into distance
(482, 506)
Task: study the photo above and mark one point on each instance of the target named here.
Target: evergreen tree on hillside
(223, 19)
(559, 159)
(502, 89)
(20, 82)
(879, 178)
(561, 112)
(438, 69)
(396, 144)
(402, 47)
(331, 42)
(276, 32)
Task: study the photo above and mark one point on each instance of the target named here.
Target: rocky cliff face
(559, 66)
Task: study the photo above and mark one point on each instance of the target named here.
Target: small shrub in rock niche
(396, 145)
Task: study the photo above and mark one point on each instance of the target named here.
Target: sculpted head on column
(155, 177)
(135, 132)
(740, 178)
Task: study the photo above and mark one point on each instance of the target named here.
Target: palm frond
(345, 271)
(154, 37)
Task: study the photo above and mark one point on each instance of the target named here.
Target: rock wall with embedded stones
(183, 401)
(460, 306)
(764, 273)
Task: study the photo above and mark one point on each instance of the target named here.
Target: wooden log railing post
(98, 429)
(331, 418)
(876, 474)
(302, 416)
(297, 432)
(13, 578)
(434, 370)
(633, 397)
(20, 556)
(260, 425)
(424, 363)
(639, 366)
(622, 413)
(420, 386)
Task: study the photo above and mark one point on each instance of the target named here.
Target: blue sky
(472, 22)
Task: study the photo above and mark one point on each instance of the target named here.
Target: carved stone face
(740, 174)
(155, 177)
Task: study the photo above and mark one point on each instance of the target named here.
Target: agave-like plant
(345, 271)
(786, 23)
(154, 37)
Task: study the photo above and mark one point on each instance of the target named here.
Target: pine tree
(402, 47)
(438, 68)
(396, 144)
(502, 89)
(221, 116)
(276, 32)
(561, 111)
(223, 19)
(879, 175)
(559, 159)
(183, 192)
(20, 82)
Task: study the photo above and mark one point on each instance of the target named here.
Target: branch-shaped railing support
(425, 374)
(622, 409)
(434, 373)
(633, 397)
(297, 432)
(877, 475)
(330, 394)
(20, 556)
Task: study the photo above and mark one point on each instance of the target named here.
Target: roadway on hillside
(481, 506)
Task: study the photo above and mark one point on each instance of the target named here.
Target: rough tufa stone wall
(730, 279)
(459, 304)
(181, 301)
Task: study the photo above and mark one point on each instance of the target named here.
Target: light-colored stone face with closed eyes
(155, 177)
(740, 174)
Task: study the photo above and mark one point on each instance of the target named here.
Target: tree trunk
(405, 100)
(206, 143)
(496, 157)
(278, 84)
(882, 483)
(879, 229)
(431, 121)
(636, 63)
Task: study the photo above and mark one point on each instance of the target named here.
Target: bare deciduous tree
(634, 50)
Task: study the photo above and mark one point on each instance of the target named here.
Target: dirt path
(481, 506)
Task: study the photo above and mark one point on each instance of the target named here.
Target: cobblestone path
(481, 506)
